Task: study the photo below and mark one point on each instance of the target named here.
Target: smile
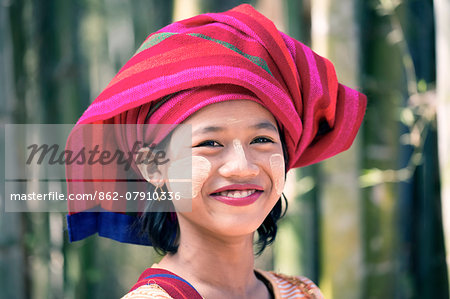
(238, 195)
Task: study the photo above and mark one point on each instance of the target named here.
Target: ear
(148, 168)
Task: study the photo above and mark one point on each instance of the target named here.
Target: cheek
(201, 168)
(277, 168)
(198, 167)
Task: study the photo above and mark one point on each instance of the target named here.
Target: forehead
(229, 114)
(233, 117)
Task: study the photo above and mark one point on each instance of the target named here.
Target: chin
(236, 225)
(225, 220)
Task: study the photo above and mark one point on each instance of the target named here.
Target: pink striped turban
(237, 54)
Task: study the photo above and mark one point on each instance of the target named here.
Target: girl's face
(237, 167)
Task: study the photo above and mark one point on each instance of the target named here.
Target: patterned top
(282, 286)
(147, 292)
(285, 286)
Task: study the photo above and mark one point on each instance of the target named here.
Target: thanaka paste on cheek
(277, 167)
(198, 166)
(200, 172)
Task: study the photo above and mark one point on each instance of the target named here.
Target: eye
(262, 140)
(208, 143)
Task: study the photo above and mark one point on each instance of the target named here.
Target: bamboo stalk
(442, 25)
(335, 36)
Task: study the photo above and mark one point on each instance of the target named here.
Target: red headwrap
(238, 54)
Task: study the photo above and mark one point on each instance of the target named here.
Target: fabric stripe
(165, 58)
(154, 40)
(256, 60)
(159, 37)
(169, 276)
(230, 18)
(315, 82)
(138, 92)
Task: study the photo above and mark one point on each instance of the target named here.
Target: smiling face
(237, 168)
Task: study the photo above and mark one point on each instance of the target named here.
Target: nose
(237, 163)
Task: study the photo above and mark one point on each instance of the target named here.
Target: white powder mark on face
(178, 171)
(240, 152)
(277, 167)
(233, 120)
(196, 166)
(200, 172)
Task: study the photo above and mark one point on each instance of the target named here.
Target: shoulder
(160, 283)
(286, 286)
(148, 291)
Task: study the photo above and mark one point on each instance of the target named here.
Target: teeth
(237, 194)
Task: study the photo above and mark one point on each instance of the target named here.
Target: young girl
(258, 103)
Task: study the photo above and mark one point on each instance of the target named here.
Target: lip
(239, 187)
(244, 201)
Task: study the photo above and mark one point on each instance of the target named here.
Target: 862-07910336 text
(131, 196)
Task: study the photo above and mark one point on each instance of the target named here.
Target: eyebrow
(208, 129)
(265, 125)
(212, 129)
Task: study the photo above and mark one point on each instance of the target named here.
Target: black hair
(163, 231)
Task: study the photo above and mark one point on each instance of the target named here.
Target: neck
(212, 264)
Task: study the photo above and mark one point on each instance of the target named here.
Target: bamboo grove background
(370, 223)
